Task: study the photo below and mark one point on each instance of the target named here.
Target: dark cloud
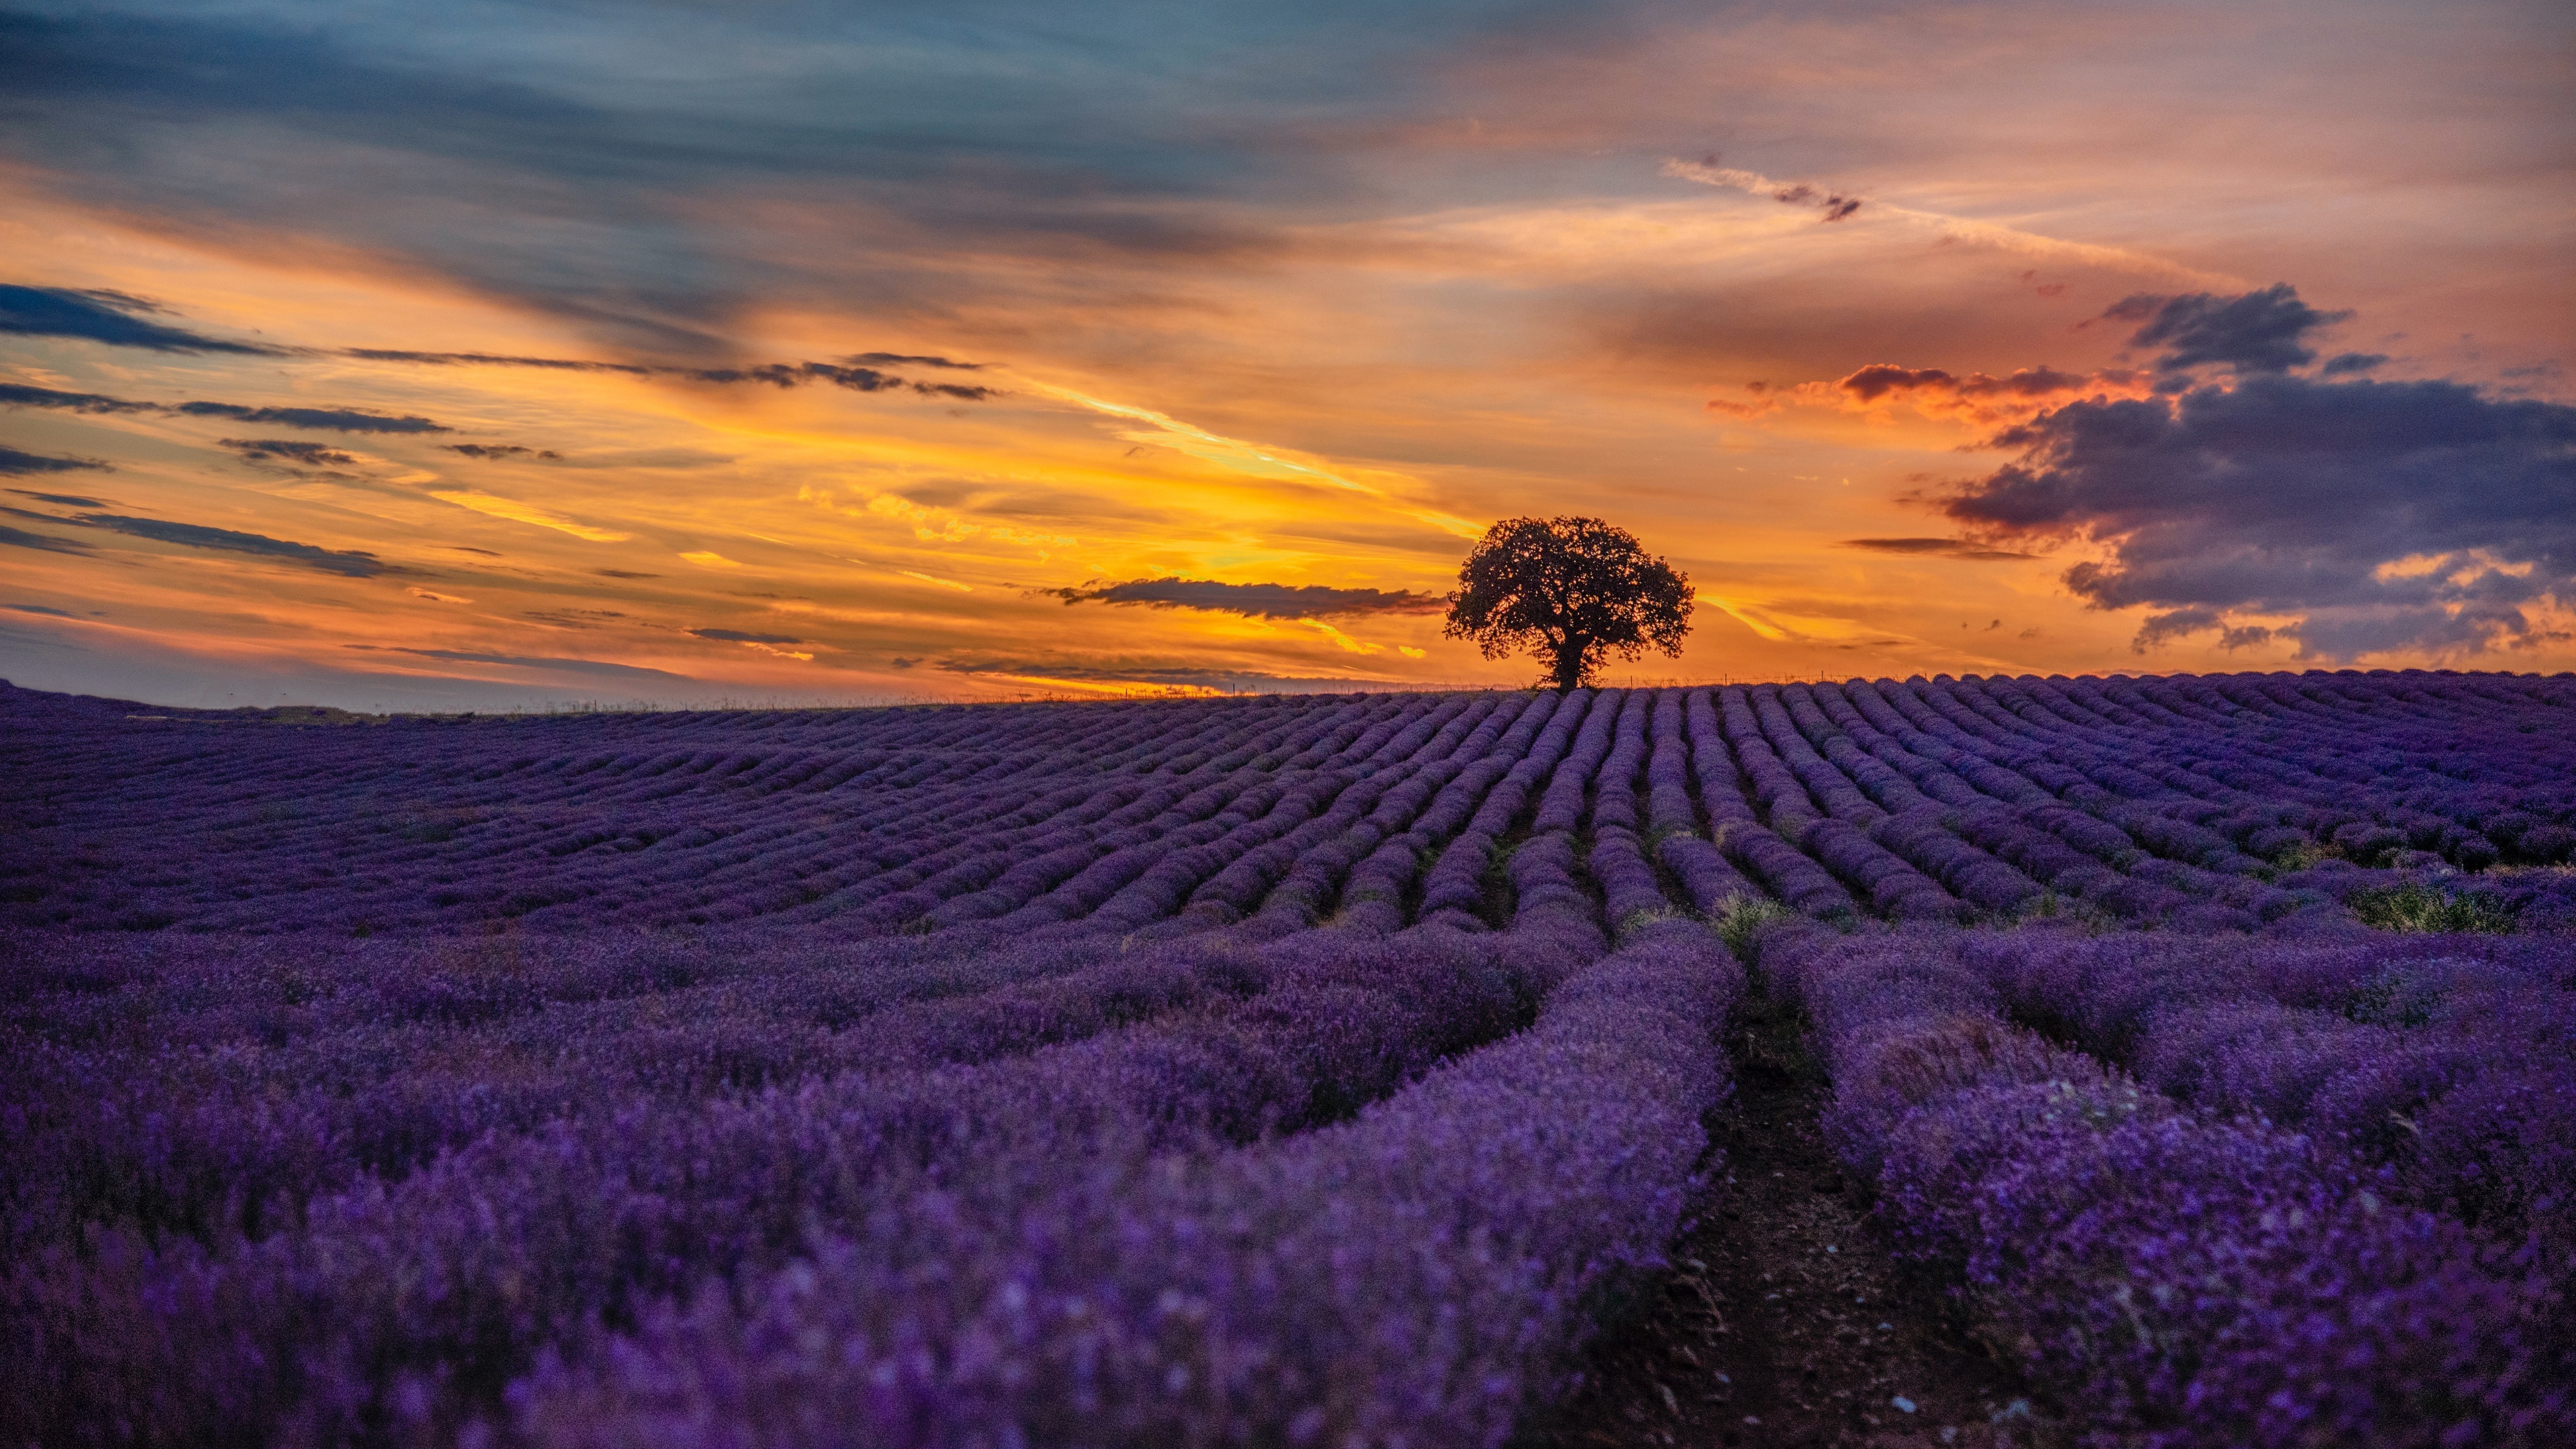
(899, 359)
(572, 618)
(110, 317)
(522, 661)
(492, 451)
(465, 548)
(17, 464)
(2386, 515)
(495, 359)
(2351, 364)
(67, 500)
(1129, 140)
(1260, 601)
(284, 450)
(1937, 548)
(2261, 331)
(46, 609)
(196, 535)
(19, 395)
(330, 420)
(2164, 628)
(1884, 379)
(1227, 681)
(736, 636)
(623, 574)
(1831, 206)
(769, 374)
(41, 542)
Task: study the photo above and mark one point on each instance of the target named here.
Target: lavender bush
(1313, 1069)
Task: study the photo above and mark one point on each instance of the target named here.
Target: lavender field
(1285, 1070)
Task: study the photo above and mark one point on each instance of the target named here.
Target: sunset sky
(492, 354)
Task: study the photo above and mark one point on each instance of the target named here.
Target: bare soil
(1785, 1322)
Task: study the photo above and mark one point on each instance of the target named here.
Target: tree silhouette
(1571, 591)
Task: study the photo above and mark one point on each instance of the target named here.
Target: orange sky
(1248, 304)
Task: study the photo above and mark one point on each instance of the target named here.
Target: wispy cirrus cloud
(1832, 205)
(1259, 601)
(515, 511)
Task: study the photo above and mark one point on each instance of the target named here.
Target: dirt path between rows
(1785, 1323)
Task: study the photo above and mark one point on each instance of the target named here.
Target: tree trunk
(1569, 664)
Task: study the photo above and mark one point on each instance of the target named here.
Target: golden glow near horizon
(1496, 290)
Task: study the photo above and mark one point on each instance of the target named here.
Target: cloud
(1833, 206)
(901, 359)
(1830, 206)
(351, 564)
(522, 661)
(2261, 331)
(19, 395)
(2164, 628)
(951, 151)
(111, 317)
(771, 374)
(492, 451)
(17, 464)
(518, 512)
(1258, 601)
(42, 543)
(623, 574)
(935, 579)
(67, 500)
(331, 420)
(1937, 392)
(335, 420)
(765, 643)
(2378, 515)
(1884, 379)
(1937, 547)
(2351, 364)
(46, 609)
(1172, 677)
(282, 450)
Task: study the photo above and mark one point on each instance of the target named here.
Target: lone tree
(1571, 591)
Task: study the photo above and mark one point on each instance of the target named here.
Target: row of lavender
(1297, 1095)
(2230, 800)
(979, 1185)
(2189, 1269)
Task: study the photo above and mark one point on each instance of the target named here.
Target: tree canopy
(1571, 591)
